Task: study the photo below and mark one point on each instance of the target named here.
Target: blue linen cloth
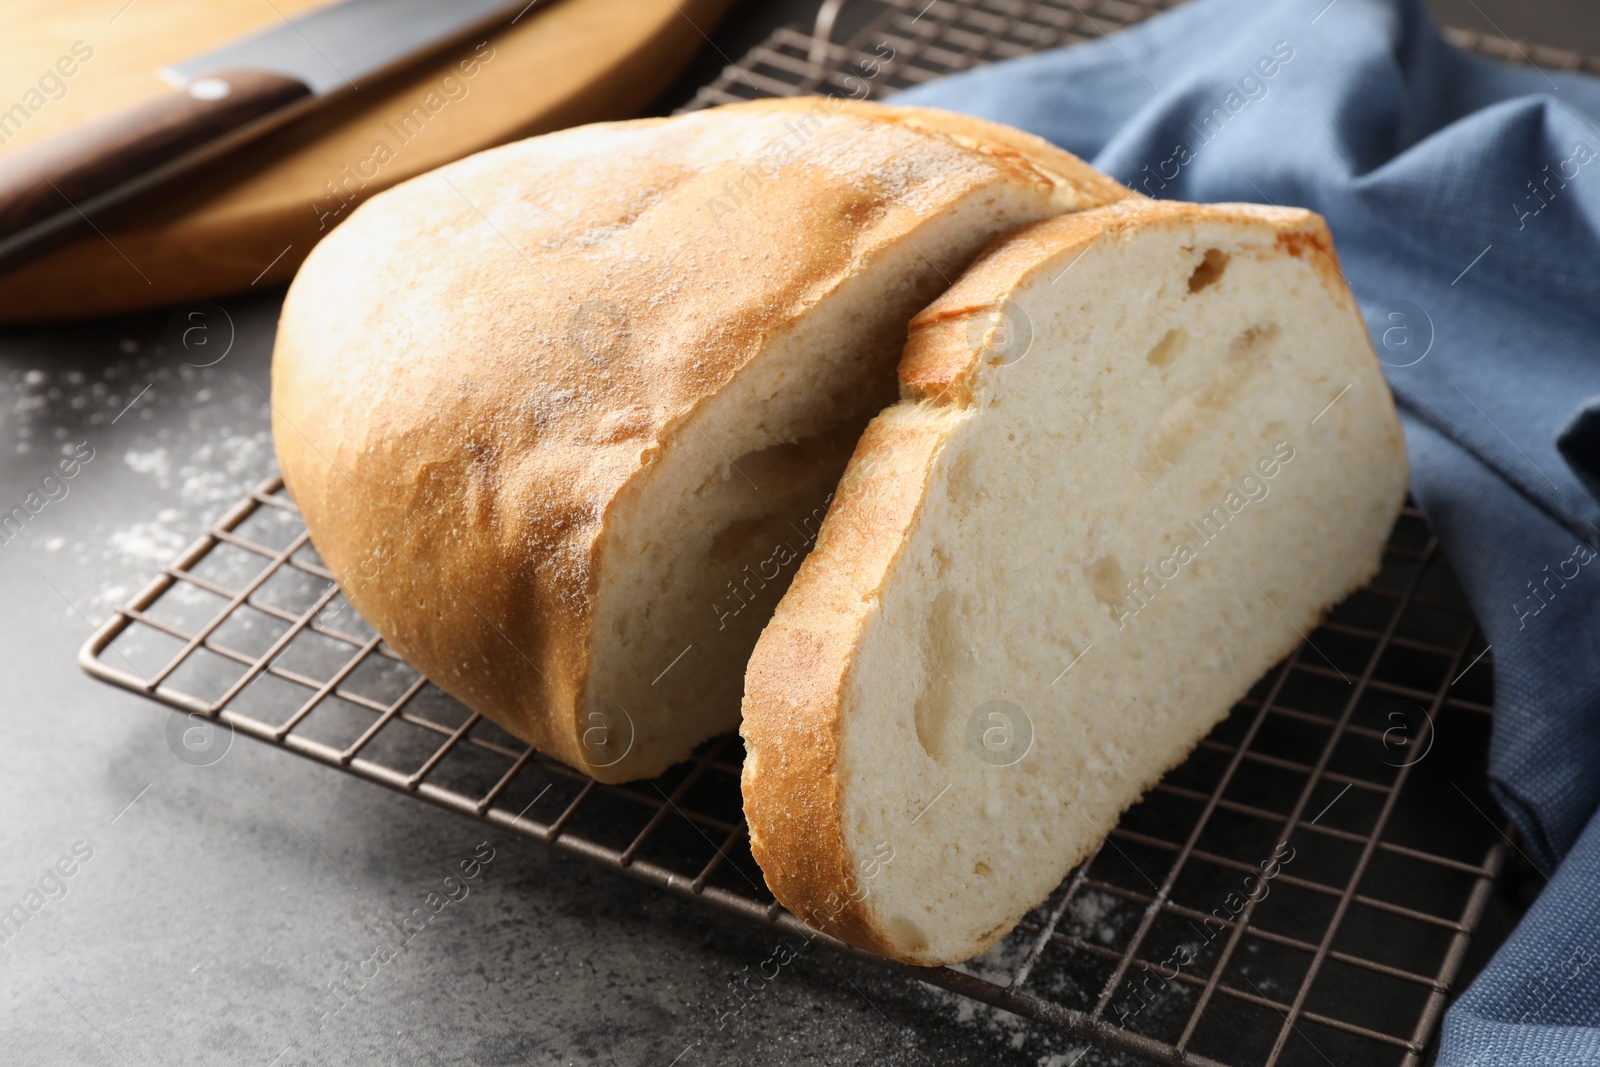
(1464, 196)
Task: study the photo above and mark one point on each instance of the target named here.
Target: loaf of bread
(562, 417)
(1140, 450)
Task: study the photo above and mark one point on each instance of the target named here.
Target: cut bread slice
(1139, 452)
(563, 416)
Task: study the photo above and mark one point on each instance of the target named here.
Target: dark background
(219, 900)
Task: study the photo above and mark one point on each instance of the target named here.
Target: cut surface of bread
(562, 417)
(1140, 450)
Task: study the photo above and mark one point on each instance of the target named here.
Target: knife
(221, 99)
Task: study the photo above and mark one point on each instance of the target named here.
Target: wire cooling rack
(1381, 895)
(1156, 945)
(908, 42)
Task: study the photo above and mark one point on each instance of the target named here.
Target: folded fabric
(1465, 199)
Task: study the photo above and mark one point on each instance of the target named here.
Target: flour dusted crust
(1078, 186)
(480, 377)
(820, 670)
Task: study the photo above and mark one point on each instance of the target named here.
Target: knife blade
(221, 98)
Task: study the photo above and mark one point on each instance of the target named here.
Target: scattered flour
(1087, 917)
(210, 444)
(997, 965)
(196, 485)
(150, 543)
(1092, 916)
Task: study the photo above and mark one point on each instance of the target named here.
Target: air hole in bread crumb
(1166, 349)
(906, 935)
(1209, 270)
(1254, 338)
(964, 487)
(933, 712)
(1107, 579)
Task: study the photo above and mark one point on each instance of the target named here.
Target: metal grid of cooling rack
(929, 39)
(926, 41)
(247, 627)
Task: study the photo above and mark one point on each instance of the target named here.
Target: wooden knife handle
(47, 177)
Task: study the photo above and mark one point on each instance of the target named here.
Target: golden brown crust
(1079, 186)
(471, 370)
(800, 673)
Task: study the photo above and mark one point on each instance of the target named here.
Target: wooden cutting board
(248, 220)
